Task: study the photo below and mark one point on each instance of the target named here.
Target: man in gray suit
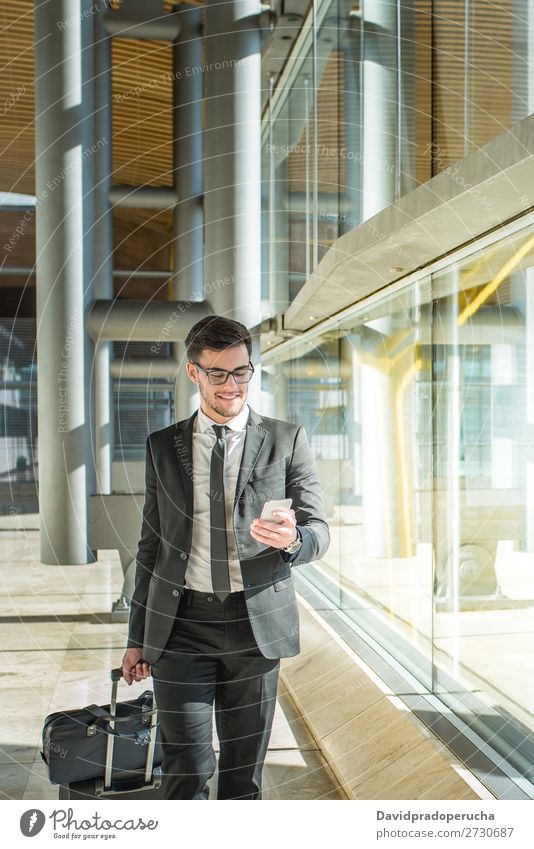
(214, 605)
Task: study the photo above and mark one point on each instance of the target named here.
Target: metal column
(379, 110)
(232, 207)
(379, 129)
(188, 216)
(103, 253)
(350, 44)
(64, 187)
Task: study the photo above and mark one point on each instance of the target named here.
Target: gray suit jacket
(277, 463)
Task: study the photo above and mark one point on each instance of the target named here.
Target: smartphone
(269, 506)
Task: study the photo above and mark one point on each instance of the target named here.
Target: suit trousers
(212, 664)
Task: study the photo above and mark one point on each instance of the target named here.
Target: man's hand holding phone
(277, 525)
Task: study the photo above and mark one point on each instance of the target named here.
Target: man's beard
(214, 405)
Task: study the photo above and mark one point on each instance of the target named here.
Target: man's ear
(191, 373)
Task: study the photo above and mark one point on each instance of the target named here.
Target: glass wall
(377, 97)
(419, 406)
(483, 389)
(19, 462)
(483, 74)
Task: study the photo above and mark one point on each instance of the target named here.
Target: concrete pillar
(188, 216)
(379, 120)
(232, 86)
(64, 151)
(103, 252)
(274, 397)
(379, 105)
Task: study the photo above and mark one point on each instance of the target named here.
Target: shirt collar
(239, 422)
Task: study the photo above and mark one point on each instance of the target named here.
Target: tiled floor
(58, 646)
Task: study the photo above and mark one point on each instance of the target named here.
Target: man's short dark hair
(217, 333)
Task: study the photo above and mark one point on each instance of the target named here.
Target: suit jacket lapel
(253, 441)
(183, 447)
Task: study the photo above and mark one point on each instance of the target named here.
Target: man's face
(224, 401)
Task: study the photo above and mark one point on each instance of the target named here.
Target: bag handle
(116, 675)
(100, 713)
(143, 737)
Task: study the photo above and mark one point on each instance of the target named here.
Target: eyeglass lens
(241, 375)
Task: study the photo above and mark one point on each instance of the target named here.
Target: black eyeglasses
(218, 376)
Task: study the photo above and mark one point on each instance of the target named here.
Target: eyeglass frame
(207, 371)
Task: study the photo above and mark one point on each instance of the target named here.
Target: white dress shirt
(198, 572)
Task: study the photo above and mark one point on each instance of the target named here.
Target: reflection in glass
(390, 94)
(362, 390)
(386, 561)
(483, 476)
(300, 177)
(483, 73)
(419, 407)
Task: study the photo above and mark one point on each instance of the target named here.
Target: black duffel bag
(107, 742)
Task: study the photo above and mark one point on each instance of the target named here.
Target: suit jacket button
(183, 555)
(176, 593)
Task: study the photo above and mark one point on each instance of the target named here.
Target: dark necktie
(220, 575)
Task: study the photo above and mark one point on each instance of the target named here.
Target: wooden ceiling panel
(142, 112)
(141, 104)
(17, 237)
(140, 241)
(17, 103)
